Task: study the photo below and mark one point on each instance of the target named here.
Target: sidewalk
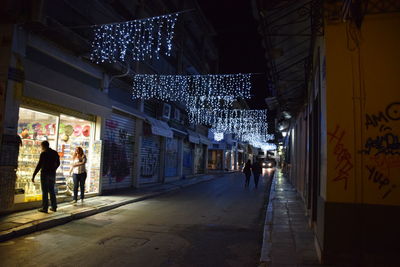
(288, 241)
(25, 222)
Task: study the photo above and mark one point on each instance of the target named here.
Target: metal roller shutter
(118, 151)
(150, 159)
(171, 157)
(187, 158)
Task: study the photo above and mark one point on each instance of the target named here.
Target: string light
(201, 91)
(140, 38)
(218, 136)
(248, 125)
(229, 120)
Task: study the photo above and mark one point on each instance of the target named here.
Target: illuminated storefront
(215, 159)
(64, 133)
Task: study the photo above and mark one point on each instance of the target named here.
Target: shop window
(64, 133)
(166, 111)
(33, 128)
(177, 114)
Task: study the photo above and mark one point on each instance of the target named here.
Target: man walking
(257, 170)
(48, 163)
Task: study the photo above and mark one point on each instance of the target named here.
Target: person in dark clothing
(48, 164)
(247, 172)
(257, 170)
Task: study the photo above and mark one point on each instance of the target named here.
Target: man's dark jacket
(48, 163)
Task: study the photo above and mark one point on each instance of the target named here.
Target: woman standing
(79, 172)
(247, 172)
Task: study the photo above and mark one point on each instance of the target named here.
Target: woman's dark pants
(247, 180)
(79, 181)
(256, 178)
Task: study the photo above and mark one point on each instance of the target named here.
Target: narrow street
(216, 223)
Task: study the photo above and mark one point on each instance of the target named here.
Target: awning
(193, 137)
(241, 147)
(178, 133)
(160, 127)
(204, 140)
(178, 130)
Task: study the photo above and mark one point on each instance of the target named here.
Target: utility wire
(113, 23)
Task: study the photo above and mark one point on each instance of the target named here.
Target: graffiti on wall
(382, 148)
(383, 183)
(386, 142)
(149, 162)
(344, 162)
(382, 119)
(150, 154)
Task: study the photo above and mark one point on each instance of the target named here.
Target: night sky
(238, 43)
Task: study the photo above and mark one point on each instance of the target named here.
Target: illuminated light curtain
(248, 125)
(201, 91)
(229, 120)
(139, 39)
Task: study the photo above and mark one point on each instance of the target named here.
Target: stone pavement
(25, 222)
(288, 240)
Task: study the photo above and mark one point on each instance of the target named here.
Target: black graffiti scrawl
(383, 182)
(382, 119)
(387, 142)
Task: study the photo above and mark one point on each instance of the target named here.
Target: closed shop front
(118, 163)
(171, 157)
(187, 158)
(152, 152)
(150, 159)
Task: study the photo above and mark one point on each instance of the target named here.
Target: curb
(65, 218)
(265, 257)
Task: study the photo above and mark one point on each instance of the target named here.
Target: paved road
(217, 223)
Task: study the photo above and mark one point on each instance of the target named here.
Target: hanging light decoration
(211, 91)
(137, 38)
(247, 125)
(218, 136)
(229, 120)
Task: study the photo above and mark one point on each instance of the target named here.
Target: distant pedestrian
(257, 170)
(79, 172)
(247, 172)
(48, 164)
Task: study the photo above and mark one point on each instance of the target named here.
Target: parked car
(269, 163)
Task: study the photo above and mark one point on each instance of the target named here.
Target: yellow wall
(363, 111)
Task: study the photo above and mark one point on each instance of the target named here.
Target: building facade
(53, 92)
(342, 144)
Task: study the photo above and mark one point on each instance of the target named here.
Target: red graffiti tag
(343, 157)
